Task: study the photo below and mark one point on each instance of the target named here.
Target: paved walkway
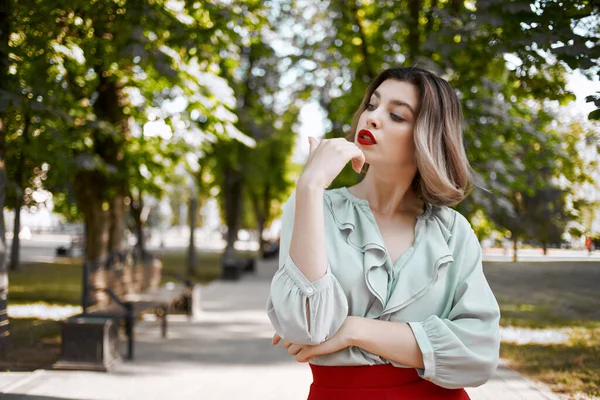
(224, 354)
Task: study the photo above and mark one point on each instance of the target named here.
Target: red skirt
(376, 382)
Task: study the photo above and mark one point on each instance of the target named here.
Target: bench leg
(187, 300)
(130, 340)
(129, 330)
(163, 314)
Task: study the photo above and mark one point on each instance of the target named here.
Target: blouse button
(309, 290)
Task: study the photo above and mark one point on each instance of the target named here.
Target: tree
(549, 216)
(5, 29)
(254, 178)
(134, 57)
(95, 76)
(33, 115)
(269, 122)
(505, 59)
(27, 162)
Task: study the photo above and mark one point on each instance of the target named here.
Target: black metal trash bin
(89, 343)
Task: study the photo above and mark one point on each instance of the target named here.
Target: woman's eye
(370, 107)
(397, 118)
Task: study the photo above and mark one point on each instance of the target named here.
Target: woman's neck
(387, 195)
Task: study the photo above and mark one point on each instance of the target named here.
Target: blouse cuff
(307, 287)
(428, 370)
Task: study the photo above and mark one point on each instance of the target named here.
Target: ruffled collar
(354, 218)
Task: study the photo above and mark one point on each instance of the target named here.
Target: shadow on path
(17, 396)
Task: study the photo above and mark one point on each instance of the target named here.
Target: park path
(225, 353)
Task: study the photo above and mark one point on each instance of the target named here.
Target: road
(42, 248)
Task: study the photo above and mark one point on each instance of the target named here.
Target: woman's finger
(313, 144)
(294, 349)
(287, 344)
(358, 160)
(276, 339)
(305, 355)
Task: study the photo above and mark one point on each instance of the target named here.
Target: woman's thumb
(313, 143)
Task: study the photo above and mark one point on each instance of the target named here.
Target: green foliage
(482, 225)
(505, 59)
(595, 98)
(267, 112)
(94, 82)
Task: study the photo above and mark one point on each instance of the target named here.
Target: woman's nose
(373, 121)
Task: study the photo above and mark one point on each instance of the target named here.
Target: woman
(380, 285)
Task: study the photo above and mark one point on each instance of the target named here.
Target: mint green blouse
(437, 286)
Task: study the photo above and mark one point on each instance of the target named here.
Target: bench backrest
(123, 277)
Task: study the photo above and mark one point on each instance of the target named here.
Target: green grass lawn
(540, 316)
(60, 282)
(207, 270)
(35, 343)
(54, 283)
(567, 368)
(552, 295)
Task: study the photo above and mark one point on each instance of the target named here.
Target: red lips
(366, 138)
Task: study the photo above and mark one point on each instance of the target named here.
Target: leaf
(594, 115)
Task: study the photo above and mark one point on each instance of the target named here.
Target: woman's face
(389, 117)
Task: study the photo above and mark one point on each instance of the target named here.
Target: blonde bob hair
(444, 175)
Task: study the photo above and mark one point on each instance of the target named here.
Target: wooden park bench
(90, 340)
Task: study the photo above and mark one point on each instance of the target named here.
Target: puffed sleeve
(291, 291)
(462, 350)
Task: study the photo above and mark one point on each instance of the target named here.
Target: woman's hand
(327, 159)
(298, 350)
(344, 337)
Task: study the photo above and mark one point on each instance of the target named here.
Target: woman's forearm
(307, 245)
(391, 340)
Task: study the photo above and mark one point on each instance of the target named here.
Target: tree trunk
(414, 37)
(261, 240)
(19, 181)
(96, 233)
(4, 34)
(137, 207)
(545, 248)
(117, 224)
(4, 328)
(16, 242)
(260, 222)
(109, 147)
(191, 256)
(261, 211)
(89, 191)
(100, 194)
(515, 246)
(233, 210)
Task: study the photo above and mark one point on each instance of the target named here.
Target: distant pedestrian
(589, 244)
(380, 285)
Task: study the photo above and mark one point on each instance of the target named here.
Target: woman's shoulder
(452, 220)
